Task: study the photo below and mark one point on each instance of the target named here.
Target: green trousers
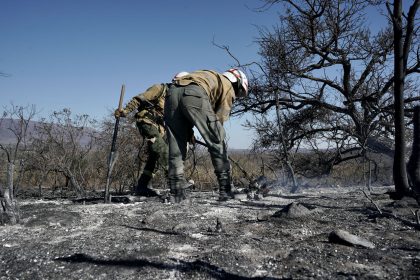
(157, 149)
(187, 107)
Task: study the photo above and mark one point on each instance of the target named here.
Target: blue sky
(77, 53)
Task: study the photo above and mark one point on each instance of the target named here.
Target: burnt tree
(16, 120)
(413, 167)
(335, 75)
(402, 42)
(64, 145)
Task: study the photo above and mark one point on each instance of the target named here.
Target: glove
(120, 113)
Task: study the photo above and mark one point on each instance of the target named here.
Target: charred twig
(392, 215)
(272, 170)
(194, 160)
(373, 202)
(232, 160)
(242, 170)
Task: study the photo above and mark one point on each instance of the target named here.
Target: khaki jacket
(218, 88)
(150, 106)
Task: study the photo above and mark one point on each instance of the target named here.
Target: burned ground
(204, 239)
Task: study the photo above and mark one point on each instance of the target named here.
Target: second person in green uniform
(149, 107)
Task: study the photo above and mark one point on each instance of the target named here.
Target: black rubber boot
(177, 190)
(178, 196)
(142, 187)
(225, 188)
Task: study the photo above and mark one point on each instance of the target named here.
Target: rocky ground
(280, 236)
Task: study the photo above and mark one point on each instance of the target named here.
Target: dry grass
(245, 167)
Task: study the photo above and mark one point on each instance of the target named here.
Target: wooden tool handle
(121, 97)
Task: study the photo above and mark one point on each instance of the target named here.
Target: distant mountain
(6, 130)
(8, 137)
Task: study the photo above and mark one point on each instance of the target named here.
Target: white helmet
(179, 75)
(235, 75)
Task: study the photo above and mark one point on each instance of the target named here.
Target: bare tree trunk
(10, 173)
(41, 182)
(367, 173)
(368, 181)
(370, 176)
(79, 190)
(40, 189)
(9, 203)
(2, 206)
(21, 174)
(413, 166)
(399, 169)
(283, 144)
(364, 171)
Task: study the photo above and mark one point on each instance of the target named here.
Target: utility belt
(196, 87)
(159, 126)
(150, 117)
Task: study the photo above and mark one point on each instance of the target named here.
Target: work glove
(120, 113)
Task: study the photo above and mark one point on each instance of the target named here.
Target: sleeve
(149, 96)
(133, 104)
(153, 93)
(223, 110)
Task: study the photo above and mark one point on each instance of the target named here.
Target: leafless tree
(63, 144)
(333, 73)
(16, 119)
(403, 37)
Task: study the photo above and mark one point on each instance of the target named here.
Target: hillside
(7, 136)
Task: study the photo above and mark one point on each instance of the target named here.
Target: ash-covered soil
(204, 239)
